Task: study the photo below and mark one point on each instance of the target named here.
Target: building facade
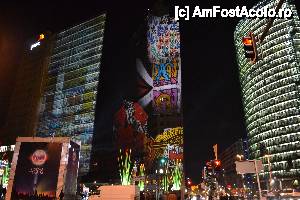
(270, 92)
(235, 152)
(23, 112)
(69, 98)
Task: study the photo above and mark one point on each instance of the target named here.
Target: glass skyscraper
(70, 86)
(270, 91)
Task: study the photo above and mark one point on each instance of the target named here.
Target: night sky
(212, 105)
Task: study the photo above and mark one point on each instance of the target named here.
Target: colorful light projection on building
(164, 55)
(125, 167)
(177, 176)
(130, 127)
(142, 174)
(71, 86)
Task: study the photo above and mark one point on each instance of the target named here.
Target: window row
(271, 102)
(275, 124)
(264, 71)
(77, 58)
(286, 110)
(276, 132)
(271, 76)
(259, 92)
(282, 136)
(70, 51)
(86, 39)
(81, 80)
(73, 110)
(83, 33)
(71, 101)
(74, 66)
(74, 74)
(85, 25)
(262, 101)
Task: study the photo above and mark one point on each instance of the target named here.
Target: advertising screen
(37, 170)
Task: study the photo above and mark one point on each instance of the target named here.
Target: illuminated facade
(158, 65)
(270, 90)
(69, 100)
(161, 73)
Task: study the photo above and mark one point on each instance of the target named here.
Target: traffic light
(188, 183)
(250, 47)
(217, 165)
(163, 160)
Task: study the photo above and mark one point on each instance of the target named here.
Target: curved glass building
(270, 92)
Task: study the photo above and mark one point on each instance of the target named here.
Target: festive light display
(142, 173)
(5, 174)
(171, 136)
(125, 167)
(164, 54)
(130, 129)
(165, 182)
(177, 176)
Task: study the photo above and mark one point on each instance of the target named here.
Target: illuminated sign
(7, 148)
(39, 157)
(35, 45)
(38, 43)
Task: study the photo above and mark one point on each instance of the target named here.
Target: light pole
(240, 157)
(270, 171)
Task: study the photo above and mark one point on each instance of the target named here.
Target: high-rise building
(23, 112)
(236, 152)
(69, 98)
(270, 92)
(160, 71)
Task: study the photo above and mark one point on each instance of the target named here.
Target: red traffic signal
(250, 47)
(217, 163)
(247, 40)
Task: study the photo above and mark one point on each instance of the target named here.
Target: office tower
(238, 151)
(69, 99)
(270, 91)
(23, 113)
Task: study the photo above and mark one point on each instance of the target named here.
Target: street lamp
(240, 157)
(270, 171)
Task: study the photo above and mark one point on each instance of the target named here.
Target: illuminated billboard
(37, 170)
(42, 167)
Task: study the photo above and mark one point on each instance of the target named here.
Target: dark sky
(211, 93)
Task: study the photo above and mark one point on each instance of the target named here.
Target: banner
(248, 166)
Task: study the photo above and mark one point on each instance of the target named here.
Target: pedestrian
(1, 192)
(61, 195)
(4, 192)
